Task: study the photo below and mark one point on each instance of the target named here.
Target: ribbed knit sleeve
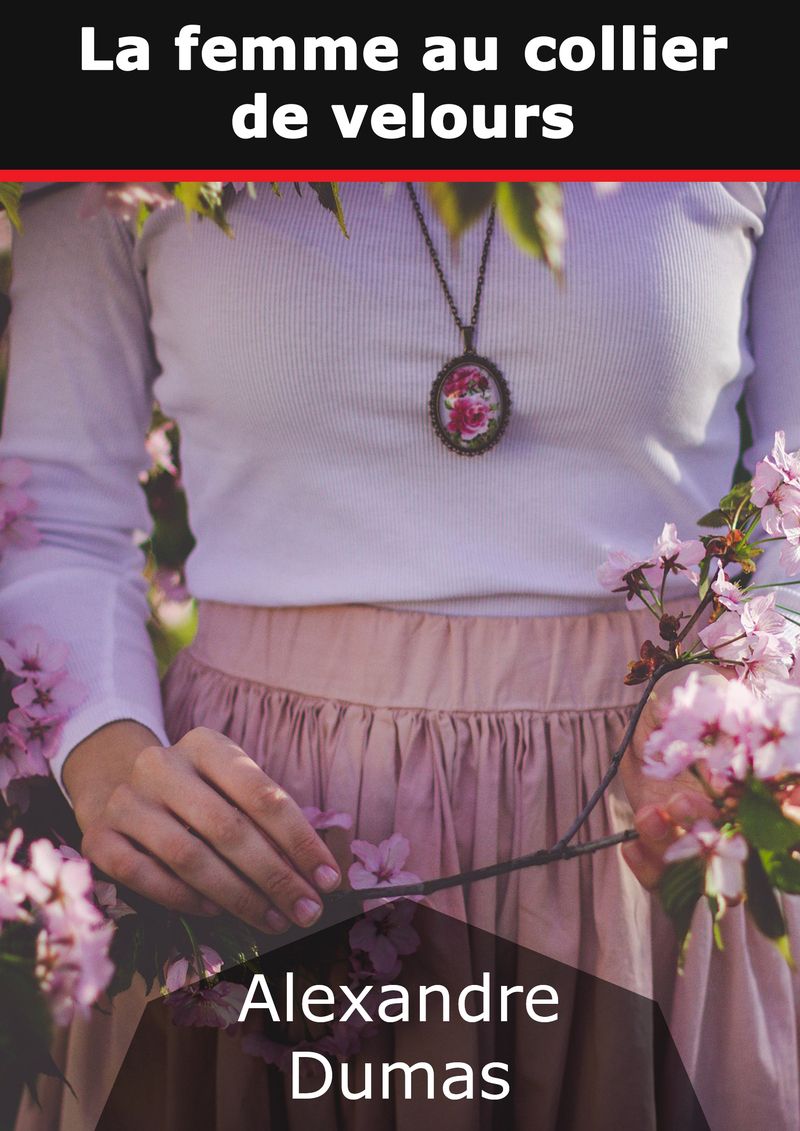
(77, 408)
(773, 389)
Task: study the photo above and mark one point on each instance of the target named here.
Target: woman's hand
(197, 827)
(662, 808)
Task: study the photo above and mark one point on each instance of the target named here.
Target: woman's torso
(298, 365)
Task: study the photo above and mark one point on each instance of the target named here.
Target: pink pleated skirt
(479, 739)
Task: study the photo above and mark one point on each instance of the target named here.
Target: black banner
(694, 90)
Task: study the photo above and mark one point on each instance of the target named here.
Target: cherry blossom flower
(33, 654)
(51, 694)
(724, 858)
(708, 720)
(768, 659)
(778, 751)
(13, 881)
(109, 902)
(776, 498)
(752, 635)
(759, 616)
(360, 969)
(60, 883)
(73, 967)
(39, 735)
(16, 759)
(790, 551)
(618, 572)
(614, 571)
(72, 963)
(125, 199)
(215, 1007)
(726, 637)
(776, 486)
(182, 971)
(386, 933)
(326, 818)
(671, 552)
(728, 727)
(672, 555)
(159, 448)
(787, 462)
(381, 865)
(105, 893)
(728, 593)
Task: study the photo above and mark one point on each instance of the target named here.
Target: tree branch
(561, 850)
(532, 860)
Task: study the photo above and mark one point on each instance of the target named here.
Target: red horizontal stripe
(400, 174)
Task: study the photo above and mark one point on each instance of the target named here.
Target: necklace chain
(467, 330)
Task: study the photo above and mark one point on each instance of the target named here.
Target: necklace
(469, 403)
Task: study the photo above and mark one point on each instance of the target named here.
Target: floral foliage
(735, 723)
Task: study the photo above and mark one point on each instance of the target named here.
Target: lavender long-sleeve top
(298, 365)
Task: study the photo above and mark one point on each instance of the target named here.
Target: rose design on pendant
(470, 404)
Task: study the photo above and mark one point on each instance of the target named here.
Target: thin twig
(616, 758)
(693, 619)
(532, 860)
(561, 850)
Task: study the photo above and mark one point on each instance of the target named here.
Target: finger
(647, 867)
(689, 806)
(655, 828)
(236, 839)
(189, 858)
(117, 857)
(269, 806)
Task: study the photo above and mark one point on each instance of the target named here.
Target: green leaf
(716, 915)
(460, 205)
(713, 519)
(763, 906)
(681, 887)
(204, 198)
(10, 197)
(141, 217)
(26, 1031)
(328, 196)
(738, 494)
(762, 821)
(125, 950)
(783, 871)
(532, 214)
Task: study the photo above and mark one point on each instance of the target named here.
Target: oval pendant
(470, 404)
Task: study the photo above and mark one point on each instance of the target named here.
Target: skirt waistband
(388, 658)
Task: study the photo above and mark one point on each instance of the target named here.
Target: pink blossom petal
(368, 854)
(361, 877)
(326, 818)
(395, 851)
(177, 973)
